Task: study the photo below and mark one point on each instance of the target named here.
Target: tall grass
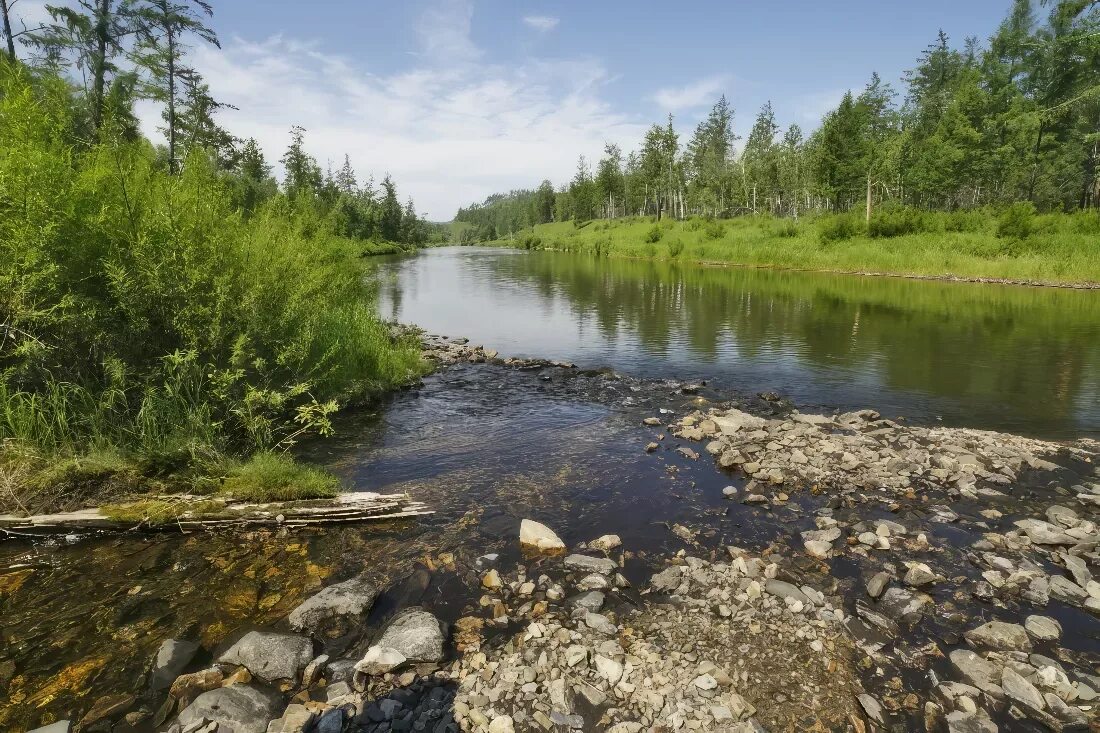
(139, 310)
(1013, 244)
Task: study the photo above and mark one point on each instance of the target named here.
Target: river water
(999, 357)
(486, 445)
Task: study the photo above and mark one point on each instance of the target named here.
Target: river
(486, 445)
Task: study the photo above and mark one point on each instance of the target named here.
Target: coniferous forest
(981, 127)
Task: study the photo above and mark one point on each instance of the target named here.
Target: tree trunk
(868, 218)
(172, 166)
(7, 29)
(1035, 164)
(99, 61)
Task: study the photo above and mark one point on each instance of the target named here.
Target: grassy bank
(1016, 245)
(155, 335)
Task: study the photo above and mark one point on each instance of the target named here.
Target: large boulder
(538, 538)
(270, 656)
(240, 708)
(172, 658)
(416, 634)
(330, 610)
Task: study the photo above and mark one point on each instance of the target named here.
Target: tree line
(1016, 119)
(121, 51)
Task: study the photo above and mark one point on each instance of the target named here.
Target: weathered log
(344, 509)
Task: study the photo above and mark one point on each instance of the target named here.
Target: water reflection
(999, 357)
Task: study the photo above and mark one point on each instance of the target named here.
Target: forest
(169, 311)
(1011, 122)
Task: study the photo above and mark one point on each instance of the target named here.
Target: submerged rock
(601, 565)
(172, 658)
(270, 656)
(240, 708)
(349, 599)
(416, 634)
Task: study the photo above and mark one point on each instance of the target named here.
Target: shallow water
(486, 446)
(999, 357)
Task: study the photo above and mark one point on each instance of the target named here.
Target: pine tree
(303, 175)
(89, 36)
(162, 26)
(391, 213)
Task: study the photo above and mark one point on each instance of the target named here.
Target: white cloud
(697, 94)
(811, 108)
(450, 131)
(542, 23)
(29, 13)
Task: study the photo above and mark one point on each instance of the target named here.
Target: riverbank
(790, 583)
(1063, 253)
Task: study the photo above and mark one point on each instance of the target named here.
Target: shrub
(786, 228)
(675, 248)
(840, 226)
(897, 222)
(1017, 221)
(714, 230)
(965, 221)
(530, 241)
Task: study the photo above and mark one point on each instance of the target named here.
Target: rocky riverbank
(917, 578)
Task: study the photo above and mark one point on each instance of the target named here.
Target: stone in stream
(818, 548)
(601, 565)
(416, 634)
(590, 601)
(240, 708)
(538, 538)
(978, 672)
(872, 707)
(270, 656)
(903, 606)
(61, 726)
(668, 579)
(1044, 533)
(172, 658)
(606, 543)
(1020, 690)
(919, 574)
(877, 584)
(1043, 628)
(784, 589)
(999, 636)
(379, 660)
(337, 603)
(734, 420)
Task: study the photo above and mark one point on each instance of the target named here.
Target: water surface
(1012, 358)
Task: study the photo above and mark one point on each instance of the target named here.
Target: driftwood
(344, 509)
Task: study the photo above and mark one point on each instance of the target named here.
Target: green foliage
(785, 228)
(899, 221)
(838, 227)
(275, 477)
(714, 230)
(654, 235)
(1017, 222)
(145, 311)
(153, 512)
(675, 248)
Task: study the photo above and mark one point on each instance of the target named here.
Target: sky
(458, 99)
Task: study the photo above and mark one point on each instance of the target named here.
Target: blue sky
(458, 99)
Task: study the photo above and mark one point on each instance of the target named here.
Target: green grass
(277, 477)
(1059, 248)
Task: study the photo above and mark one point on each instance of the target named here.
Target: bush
(675, 248)
(143, 311)
(965, 221)
(839, 227)
(786, 228)
(654, 235)
(714, 230)
(530, 241)
(897, 222)
(1017, 221)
